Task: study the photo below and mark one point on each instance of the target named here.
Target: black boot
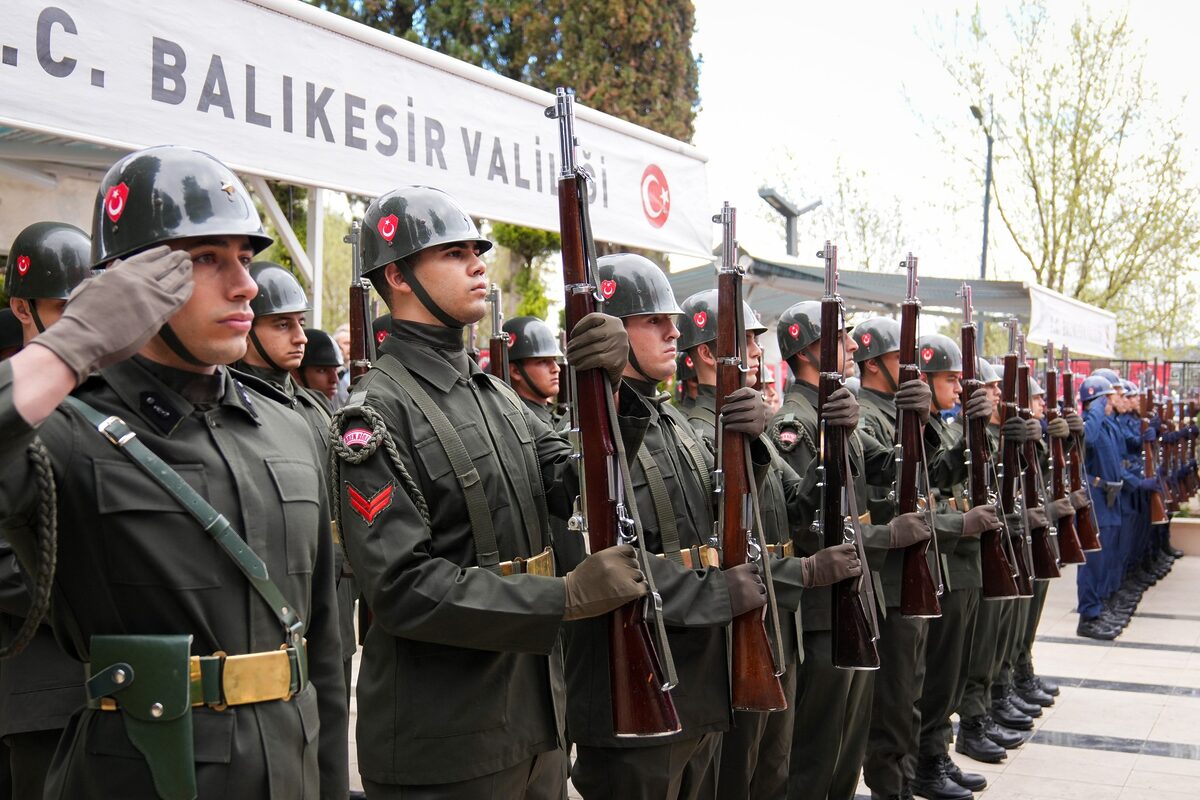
(1029, 690)
(1031, 710)
(972, 741)
(1048, 686)
(1005, 714)
(1006, 738)
(968, 780)
(931, 781)
(1096, 628)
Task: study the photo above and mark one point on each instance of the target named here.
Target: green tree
(530, 247)
(1090, 182)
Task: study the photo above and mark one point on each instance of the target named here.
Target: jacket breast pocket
(149, 540)
(432, 453)
(296, 483)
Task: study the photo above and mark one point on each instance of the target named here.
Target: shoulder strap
(212, 521)
(668, 530)
(487, 552)
(692, 447)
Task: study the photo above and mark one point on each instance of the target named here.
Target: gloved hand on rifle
(1150, 485)
(603, 582)
(1057, 509)
(979, 519)
(841, 409)
(1036, 518)
(746, 589)
(829, 566)
(1074, 421)
(599, 342)
(1014, 430)
(908, 529)
(980, 406)
(745, 412)
(1081, 499)
(1058, 428)
(1150, 434)
(1034, 430)
(915, 395)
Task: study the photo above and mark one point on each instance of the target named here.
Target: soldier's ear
(705, 354)
(20, 309)
(395, 279)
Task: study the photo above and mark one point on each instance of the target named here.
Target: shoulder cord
(47, 546)
(339, 451)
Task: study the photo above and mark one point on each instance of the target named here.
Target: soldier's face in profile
(213, 323)
(454, 276)
(321, 379)
(753, 355)
(1037, 405)
(542, 371)
(946, 388)
(282, 337)
(652, 341)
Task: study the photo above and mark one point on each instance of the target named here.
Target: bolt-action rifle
(1085, 518)
(1012, 469)
(498, 343)
(362, 340)
(1070, 549)
(1042, 538)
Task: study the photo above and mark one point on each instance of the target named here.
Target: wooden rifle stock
(1085, 518)
(642, 705)
(1010, 499)
(754, 663)
(1158, 510)
(852, 614)
(1045, 559)
(999, 574)
(1070, 549)
(362, 339)
(498, 343)
(919, 590)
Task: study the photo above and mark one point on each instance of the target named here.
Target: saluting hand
(111, 316)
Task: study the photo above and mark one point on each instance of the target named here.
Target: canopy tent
(773, 283)
(280, 89)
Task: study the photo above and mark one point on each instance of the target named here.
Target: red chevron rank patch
(369, 509)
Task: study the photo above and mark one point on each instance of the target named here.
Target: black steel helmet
(321, 350)
(530, 337)
(410, 219)
(986, 372)
(938, 353)
(278, 291)
(799, 326)
(685, 368)
(48, 259)
(633, 285)
(169, 192)
(876, 337)
(699, 322)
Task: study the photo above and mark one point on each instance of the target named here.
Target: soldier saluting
(446, 481)
(181, 624)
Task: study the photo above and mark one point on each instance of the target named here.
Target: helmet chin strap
(520, 364)
(406, 271)
(262, 352)
(633, 362)
(31, 302)
(177, 347)
(886, 373)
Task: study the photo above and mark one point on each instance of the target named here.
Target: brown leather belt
(699, 557)
(541, 564)
(782, 550)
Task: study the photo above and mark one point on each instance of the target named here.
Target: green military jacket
(794, 432)
(877, 421)
(543, 411)
(945, 451)
(461, 672)
(131, 561)
(780, 507)
(696, 605)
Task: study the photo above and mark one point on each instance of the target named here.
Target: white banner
(1085, 329)
(281, 89)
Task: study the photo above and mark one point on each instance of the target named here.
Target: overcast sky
(846, 80)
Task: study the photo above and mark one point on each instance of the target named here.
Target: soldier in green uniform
(533, 370)
(950, 636)
(318, 370)
(829, 741)
(756, 750)
(979, 736)
(446, 480)
(141, 583)
(671, 474)
(894, 729)
(41, 687)
(685, 381)
(277, 341)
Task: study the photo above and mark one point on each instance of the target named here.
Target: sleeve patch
(370, 507)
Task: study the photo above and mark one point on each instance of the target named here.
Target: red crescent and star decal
(700, 318)
(927, 354)
(379, 337)
(794, 330)
(608, 289)
(688, 360)
(866, 340)
(656, 196)
(512, 338)
(387, 227)
(23, 264)
(366, 508)
(114, 201)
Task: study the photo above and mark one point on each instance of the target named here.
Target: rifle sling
(122, 437)
(668, 530)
